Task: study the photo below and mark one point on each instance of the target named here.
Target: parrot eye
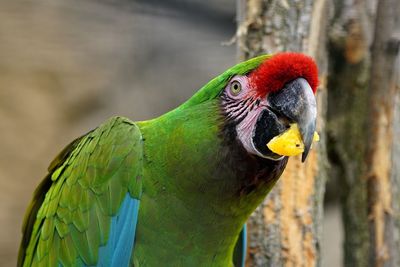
(235, 88)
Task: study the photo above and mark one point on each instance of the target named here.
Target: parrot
(178, 189)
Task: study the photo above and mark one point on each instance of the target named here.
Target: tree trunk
(361, 126)
(395, 175)
(349, 57)
(383, 185)
(286, 228)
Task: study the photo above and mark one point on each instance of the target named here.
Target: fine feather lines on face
(237, 109)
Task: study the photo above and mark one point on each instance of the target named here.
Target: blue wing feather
(244, 244)
(239, 254)
(117, 252)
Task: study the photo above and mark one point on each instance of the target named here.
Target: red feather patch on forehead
(282, 68)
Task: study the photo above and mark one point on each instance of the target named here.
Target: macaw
(175, 190)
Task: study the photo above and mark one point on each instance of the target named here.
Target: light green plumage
(214, 87)
(181, 157)
(89, 180)
(184, 218)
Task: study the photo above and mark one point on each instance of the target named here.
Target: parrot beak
(296, 103)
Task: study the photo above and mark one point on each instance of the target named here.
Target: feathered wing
(84, 212)
(239, 254)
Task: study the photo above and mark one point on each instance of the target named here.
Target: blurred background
(68, 65)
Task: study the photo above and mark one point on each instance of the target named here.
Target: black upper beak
(296, 102)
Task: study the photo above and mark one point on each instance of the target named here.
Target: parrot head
(263, 102)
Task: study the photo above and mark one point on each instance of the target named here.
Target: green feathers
(191, 209)
(85, 187)
(214, 87)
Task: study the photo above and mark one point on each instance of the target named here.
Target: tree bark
(286, 229)
(382, 178)
(361, 126)
(395, 175)
(349, 57)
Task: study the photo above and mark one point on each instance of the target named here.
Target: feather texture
(119, 247)
(91, 189)
(282, 68)
(199, 186)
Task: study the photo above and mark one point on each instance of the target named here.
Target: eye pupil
(236, 88)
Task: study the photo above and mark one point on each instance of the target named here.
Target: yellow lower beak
(289, 143)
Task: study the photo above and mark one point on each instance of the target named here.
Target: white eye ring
(235, 88)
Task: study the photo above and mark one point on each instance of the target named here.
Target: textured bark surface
(381, 151)
(362, 128)
(286, 228)
(395, 175)
(349, 57)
